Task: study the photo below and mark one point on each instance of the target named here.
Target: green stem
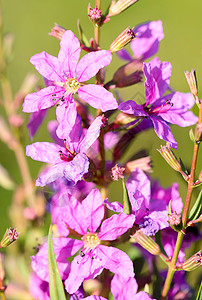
(2, 296)
(180, 236)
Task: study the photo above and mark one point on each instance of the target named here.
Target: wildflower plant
(94, 243)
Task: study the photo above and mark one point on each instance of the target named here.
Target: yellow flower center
(71, 85)
(91, 240)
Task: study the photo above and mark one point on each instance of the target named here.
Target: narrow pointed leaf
(56, 288)
(196, 208)
(199, 295)
(127, 208)
(82, 36)
(169, 208)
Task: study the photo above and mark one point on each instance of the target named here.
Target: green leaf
(83, 38)
(127, 208)
(196, 208)
(159, 242)
(56, 288)
(183, 167)
(191, 135)
(169, 208)
(199, 295)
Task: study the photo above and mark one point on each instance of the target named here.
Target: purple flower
(126, 289)
(39, 288)
(149, 204)
(69, 161)
(66, 76)
(162, 110)
(85, 218)
(146, 43)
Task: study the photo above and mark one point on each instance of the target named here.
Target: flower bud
(10, 236)
(175, 221)
(146, 242)
(57, 31)
(94, 14)
(192, 82)
(143, 163)
(122, 40)
(119, 6)
(198, 132)
(170, 157)
(192, 263)
(117, 172)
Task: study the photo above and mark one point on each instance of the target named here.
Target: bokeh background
(30, 21)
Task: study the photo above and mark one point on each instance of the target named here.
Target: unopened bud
(146, 242)
(123, 119)
(143, 163)
(117, 172)
(192, 82)
(175, 221)
(170, 157)
(122, 40)
(119, 6)
(57, 31)
(129, 80)
(198, 132)
(10, 236)
(94, 14)
(192, 263)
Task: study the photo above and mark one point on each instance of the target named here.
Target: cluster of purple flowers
(85, 232)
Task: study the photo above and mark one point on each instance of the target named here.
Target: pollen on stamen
(91, 241)
(71, 85)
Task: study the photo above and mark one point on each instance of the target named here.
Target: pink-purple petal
(47, 65)
(132, 108)
(35, 121)
(93, 210)
(123, 288)
(92, 134)
(69, 53)
(44, 151)
(163, 131)
(115, 226)
(98, 97)
(116, 261)
(91, 63)
(157, 76)
(124, 54)
(51, 174)
(66, 116)
(42, 99)
(146, 43)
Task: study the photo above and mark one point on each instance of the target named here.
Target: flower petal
(163, 131)
(98, 97)
(157, 76)
(75, 169)
(91, 63)
(114, 206)
(115, 226)
(132, 108)
(44, 151)
(124, 54)
(146, 43)
(66, 116)
(42, 99)
(35, 121)
(93, 210)
(116, 261)
(82, 268)
(69, 53)
(123, 288)
(51, 174)
(63, 248)
(178, 113)
(47, 65)
(92, 134)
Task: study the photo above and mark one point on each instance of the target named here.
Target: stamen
(91, 241)
(161, 109)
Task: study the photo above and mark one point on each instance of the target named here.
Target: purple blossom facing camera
(66, 76)
(85, 218)
(162, 110)
(69, 161)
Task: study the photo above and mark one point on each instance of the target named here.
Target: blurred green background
(30, 21)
